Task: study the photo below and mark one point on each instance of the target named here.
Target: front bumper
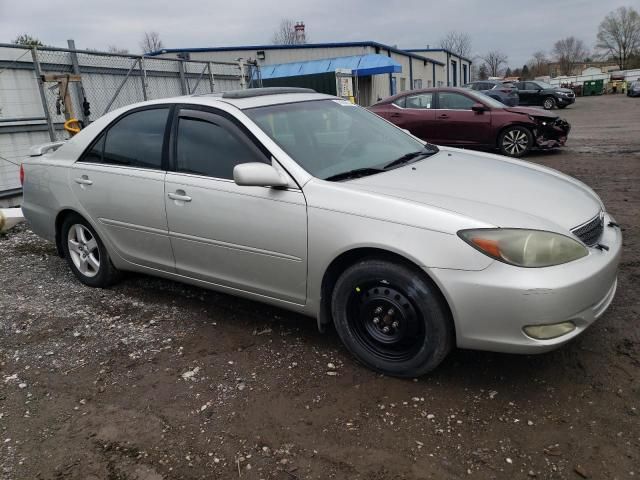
(491, 307)
(562, 100)
(552, 135)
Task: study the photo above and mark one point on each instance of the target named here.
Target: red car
(464, 118)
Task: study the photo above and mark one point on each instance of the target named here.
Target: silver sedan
(310, 203)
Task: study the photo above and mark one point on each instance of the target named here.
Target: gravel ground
(153, 379)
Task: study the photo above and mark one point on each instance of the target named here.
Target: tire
(515, 141)
(548, 103)
(373, 295)
(85, 253)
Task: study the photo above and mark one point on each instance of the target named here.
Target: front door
(252, 239)
(458, 124)
(119, 182)
(529, 93)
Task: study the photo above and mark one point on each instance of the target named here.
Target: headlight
(562, 93)
(524, 248)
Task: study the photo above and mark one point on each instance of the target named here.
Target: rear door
(119, 182)
(529, 93)
(252, 239)
(414, 113)
(457, 124)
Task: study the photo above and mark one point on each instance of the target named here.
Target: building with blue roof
(381, 70)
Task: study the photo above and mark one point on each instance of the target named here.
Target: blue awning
(360, 65)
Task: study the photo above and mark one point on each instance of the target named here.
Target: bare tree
(494, 60)
(116, 49)
(151, 42)
(568, 52)
(457, 42)
(619, 35)
(539, 64)
(286, 34)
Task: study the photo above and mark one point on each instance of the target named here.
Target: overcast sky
(517, 27)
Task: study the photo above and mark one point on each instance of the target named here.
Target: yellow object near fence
(71, 129)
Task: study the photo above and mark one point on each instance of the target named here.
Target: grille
(591, 231)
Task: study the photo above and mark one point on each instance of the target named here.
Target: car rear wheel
(515, 141)
(391, 318)
(85, 253)
(549, 103)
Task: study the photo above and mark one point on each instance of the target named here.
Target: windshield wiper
(355, 173)
(425, 152)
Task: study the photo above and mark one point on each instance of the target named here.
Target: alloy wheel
(515, 142)
(83, 250)
(548, 103)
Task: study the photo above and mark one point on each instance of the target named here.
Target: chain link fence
(34, 83)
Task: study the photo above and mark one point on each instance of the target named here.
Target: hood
(565, 90)
(489, 188)
(534, 112)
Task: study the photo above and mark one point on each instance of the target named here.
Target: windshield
(487, 100)
(544, 85)
(331, 137)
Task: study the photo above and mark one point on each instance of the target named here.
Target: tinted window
(421, 100)
(531, 86)
(455, 101)
(95, 153)
(400, 101)
(208, 148)
(136, 140)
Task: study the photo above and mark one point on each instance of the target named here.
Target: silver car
(310, 203)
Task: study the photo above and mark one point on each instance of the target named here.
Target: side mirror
(479, 108)
(257, 174)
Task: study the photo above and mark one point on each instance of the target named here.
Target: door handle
(394, 115)
(444, 115)
(83, 180)
(179, 196)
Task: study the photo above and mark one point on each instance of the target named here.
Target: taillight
(21, 175)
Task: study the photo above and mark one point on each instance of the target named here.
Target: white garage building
(399, 71)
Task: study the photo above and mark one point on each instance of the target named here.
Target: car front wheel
(391, 318)
(85, 253)
(515, 141)
(549, 103)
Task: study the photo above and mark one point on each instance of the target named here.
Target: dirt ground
(153, 379)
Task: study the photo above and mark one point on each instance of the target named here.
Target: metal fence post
(243, 82)
(43, 98)
(115, 95)
(183, 82)
(143, 76)
(80, 96)
(212, 84)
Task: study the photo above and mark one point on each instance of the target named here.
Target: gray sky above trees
(522, 27)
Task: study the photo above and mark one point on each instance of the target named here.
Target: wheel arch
(60, 217)
(349, 257)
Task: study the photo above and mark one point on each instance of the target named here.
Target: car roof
(422, 90)
(250, 98)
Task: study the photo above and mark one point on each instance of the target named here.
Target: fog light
(547, 332)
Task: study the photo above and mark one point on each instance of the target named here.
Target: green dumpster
(592, 87)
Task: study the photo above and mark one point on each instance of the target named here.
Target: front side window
(136, 140)
(454, 101)
(210, 148)
(421, 100)
(400, 102)
(332, 137)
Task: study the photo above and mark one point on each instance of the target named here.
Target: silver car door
(119, 182)
(248, 238)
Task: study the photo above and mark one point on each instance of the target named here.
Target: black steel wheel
(391, 318)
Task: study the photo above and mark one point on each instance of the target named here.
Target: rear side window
(400, 102)
(135, 141)
(421, 101)
(210, 148)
